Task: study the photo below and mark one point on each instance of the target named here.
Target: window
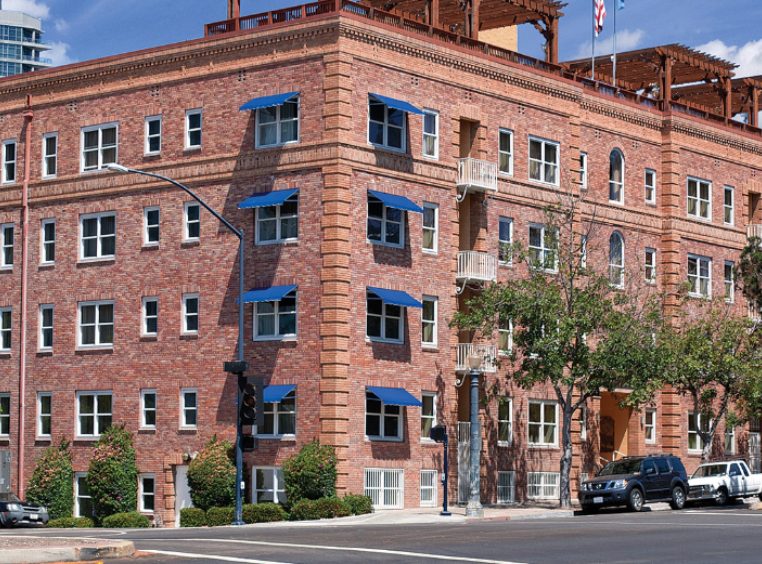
(543, 246)
(505, 151)
(504, 421)
(430, 227)
(384, 321)
(431, 134)
(190, 313)
(148, 409)
(583, 252)
(543, 485)
(428, 488)
(278, 224)
(616, 260)
(543, 160)
(9, 162)
(5, 415)
(50, 155)
(6, 315)
(386, 126)
(650, 186)
(385, 487)
(280, 417)
(543, 423)
(429, 321)
(649, 265)
(150, 325)
(382, 422)
(99, 146)
(649, 426)
(83, 502)
(48, 241)
(6, 242)
(730, 440)
(385, 225)
(276, 320)
(96, 324)
(583, 423)
(46, 327)
(97, 236)
(151, 226)
(93, 413)
(278, 125)
(616, 176)
(193, 129)
(583, 174)
(188, 408)
(505, 240)
(700, 276)
(428, 414)
(505, 336)
(192, 230)
(699, 198)
(728, 205)
(730, 282)
(153, 135)
(506, 487)
(268, 486)
(44, 414)
(147, 493)
(696, 421)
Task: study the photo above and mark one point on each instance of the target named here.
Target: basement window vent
(241, 75)
(522, 110)
(155, 91)
(72, 106)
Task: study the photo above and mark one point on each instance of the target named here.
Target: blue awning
(397, 104)
(274, 394)
(396, 202)
(395, 396)
(271, 294)
(395, 297)
(274, 198)
(268, 101)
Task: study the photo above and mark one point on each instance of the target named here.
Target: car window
(677, 465)
(745, 470)
(648, 468)
(734, 471)
(621, 467)
(662, 466)
(710, 470)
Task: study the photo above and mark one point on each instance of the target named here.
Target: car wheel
(722, 497)
(678, 498)
(635, 500)
(590, 509)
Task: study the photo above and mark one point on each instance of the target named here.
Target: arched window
(616, 260)
(616, 176)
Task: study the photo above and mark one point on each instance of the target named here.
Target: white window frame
(697, 200)
(78, 495)
(583, 170)
(433, 229)
(43, 328)
(382, 415)
(649, 427)
(144, 409)
(383, 487)
(504, 332)
(95, 414)
(5, 418)
(583, 423)
(100, 148)
(151, 136)
(187, 222)
(10, 163)
(649, 185)
(730, 440)
(503, 401)
(502, 220)
(729, 283)
(728, 209)
(147, 226)
(384, 316)
(48, 157)
(145, 318)
(542, 161)
(543, 485)
(428, 487)
(385, 127)
(384, 222)
(501, 153)
(99, 237)
(613, 183)
(185, 408)
(616, 264)
(428, 417)
(649, 262)
(274, 411)
(186, 316)
(701, 423)
(506, 487)
(99, 343)
(542, 424)
(6, 329)
(543, 249)
(43, 415)
(278, 482)
(279, 120)
(278, 218)
(433, 322)
(434, 135)
(45, 242)
(697, 276)
(276, 315)
(188, 131)
(6, 246)
(143, 492)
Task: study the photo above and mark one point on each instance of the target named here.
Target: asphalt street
(732, 534)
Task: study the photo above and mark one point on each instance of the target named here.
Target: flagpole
(616, 9)
(594, 24)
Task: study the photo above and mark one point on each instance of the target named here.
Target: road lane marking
(211, 557)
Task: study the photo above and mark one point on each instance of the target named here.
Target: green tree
(113, 473)
(749, 272)
(211, 476)
(52, 481)
(311, 473)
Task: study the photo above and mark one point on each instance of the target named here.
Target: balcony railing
(476, 266)
(474, 174)
(754, 230)
(488, 353)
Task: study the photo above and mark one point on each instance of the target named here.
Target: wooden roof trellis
(744, 96)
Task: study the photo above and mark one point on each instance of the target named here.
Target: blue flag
(620, 4)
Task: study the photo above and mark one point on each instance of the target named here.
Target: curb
(554, 514)
(116, 549)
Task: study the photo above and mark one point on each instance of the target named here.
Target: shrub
(131, 520)
(330, 507)
(113, 474)
(263, 513)
(311, 473)
(52, 482)
(218, 516)
(304, 510)
(359, 504)
(211, 476)
(71, 523)
(192, 517)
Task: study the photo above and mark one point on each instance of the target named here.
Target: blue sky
(86, 29)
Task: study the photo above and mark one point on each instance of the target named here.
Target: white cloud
(61, 25)
(31, 7)
(626, 40)
(59, 53)
(748, 57)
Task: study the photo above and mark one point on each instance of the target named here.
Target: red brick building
(378, 167)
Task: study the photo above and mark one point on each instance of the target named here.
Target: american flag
(599, 15)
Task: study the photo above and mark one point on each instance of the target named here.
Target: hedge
(359, 504)
(129, 520)
(71, 523)
(211, 476)
(304, 510)
(311, 473)
(51, 484)
(113, 473)
(192, 517)
(263, 513)
(330, 507)
(219, 516)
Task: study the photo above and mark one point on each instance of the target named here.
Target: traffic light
(249, 402)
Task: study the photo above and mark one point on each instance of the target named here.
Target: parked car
(14, 511)
(723, 481)
(635, 481)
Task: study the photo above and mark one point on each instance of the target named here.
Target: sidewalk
(28, 549)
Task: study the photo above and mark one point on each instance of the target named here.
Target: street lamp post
(474, 507)
(238, 367)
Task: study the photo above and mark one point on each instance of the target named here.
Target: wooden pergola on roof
(471, 16)
(744, 97)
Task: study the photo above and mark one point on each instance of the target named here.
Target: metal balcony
(754, 230)
(474, 266)
(488, 353)
(477, 176)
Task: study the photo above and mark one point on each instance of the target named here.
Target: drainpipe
(28, 117)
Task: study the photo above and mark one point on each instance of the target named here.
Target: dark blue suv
(635, 481)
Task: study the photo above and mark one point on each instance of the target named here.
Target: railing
(473, 265)
(488, 353)
(273, 17)
(38, 60)
(477, 175)
(754, 230)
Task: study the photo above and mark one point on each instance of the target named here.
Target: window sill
(543, 183)
(504, 444)
(87, 438)
(284, 242)
(433, 158)
(187, 430)
(397, 440)
(149, 338)
(699, 218)
(152, 155)
(428, 252)
(95, 349)
(287, 339)
(280, 438)
(651, 204)
(371, 340)
(190, 243)
(188, 336)
(543, 447)
(699, 296)
(388, 148)
(45, 352)
(150, 247)
(430, 348)
(275, 145)
(147, 431)
(46, 265)
(428, 442)
(6, 268)
(5, 354)
(96, 260)
(192, 149)
(43, 439)
(505, 264)
(382, 244)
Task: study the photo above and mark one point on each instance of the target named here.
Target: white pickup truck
(723, 481)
